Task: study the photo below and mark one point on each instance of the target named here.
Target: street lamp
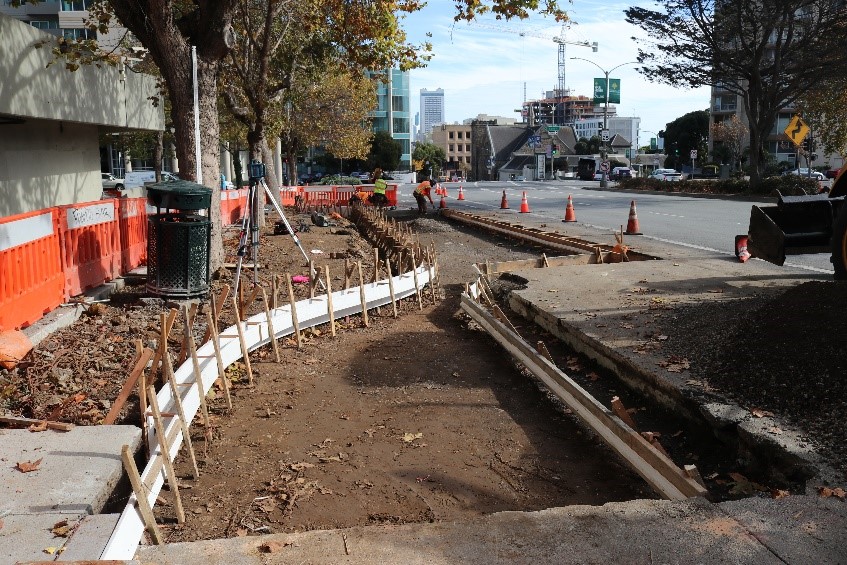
(604, 183)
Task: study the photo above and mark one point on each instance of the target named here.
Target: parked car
(111, 182)
(831, 173)
(804, 172)
(520, 178)
(599, 175)
(619, 173)
(668, 175)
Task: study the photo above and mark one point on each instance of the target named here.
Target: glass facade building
(393, 113)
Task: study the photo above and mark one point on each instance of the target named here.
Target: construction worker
(380, 186)
(422, 192)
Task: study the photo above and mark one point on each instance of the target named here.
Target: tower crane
(562, 42)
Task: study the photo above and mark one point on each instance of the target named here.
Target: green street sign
(552, 129)
(614, 91)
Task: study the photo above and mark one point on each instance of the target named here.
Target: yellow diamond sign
(797, 130)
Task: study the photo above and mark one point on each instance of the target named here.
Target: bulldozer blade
(765, 240)
(796, 225)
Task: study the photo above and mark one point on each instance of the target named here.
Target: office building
(432, 109)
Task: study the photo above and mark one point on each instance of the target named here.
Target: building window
(467, 159)
(45, 24)
(75, 5)
(468, 147)
(459, 148)
(79, 33)
(459, 134)
(450, 148)
(450, 135)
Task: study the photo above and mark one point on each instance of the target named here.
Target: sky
(489, 68)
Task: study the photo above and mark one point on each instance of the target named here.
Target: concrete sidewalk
(791, 530)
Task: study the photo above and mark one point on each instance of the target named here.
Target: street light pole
(604, 182)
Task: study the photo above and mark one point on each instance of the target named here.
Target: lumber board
(661, 473)
(21, 421)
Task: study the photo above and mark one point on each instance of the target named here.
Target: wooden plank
(271, 332)
(391, 287)
(21, 421)
(293, 304)
(659, 471)
(245, 353)
(164, 448)
(195, 363)
(329, 309)
(141, 496)
(129, 386)
(362, 295)
(183, 421)
(166, 324)
(217, 308)
(186, 331)
(216, 344)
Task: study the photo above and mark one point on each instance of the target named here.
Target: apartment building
(432, 109)
(456, 141)
(393, 112)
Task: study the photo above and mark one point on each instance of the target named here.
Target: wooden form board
(661, 473)
(310, 312)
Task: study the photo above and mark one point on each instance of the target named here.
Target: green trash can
(178, 239)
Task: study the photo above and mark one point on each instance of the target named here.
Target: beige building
(52, 120)
(455, 139)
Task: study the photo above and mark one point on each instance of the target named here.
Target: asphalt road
(709, 224)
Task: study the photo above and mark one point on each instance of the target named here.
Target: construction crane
(562, 42)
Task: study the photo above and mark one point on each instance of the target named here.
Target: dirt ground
(422, 418)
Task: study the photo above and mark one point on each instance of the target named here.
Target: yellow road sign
(797, 130)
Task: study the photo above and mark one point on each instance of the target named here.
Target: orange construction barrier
(632, 227)
(91, 244)
(31, 278)
(133, 232)
(504, 204)
(524, 204)
(570, 214)
(741, 248)
(461, 193)
(14, 346)
(443, 203)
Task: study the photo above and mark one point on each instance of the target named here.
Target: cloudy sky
(490, 68)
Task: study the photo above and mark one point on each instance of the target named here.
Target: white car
(599, 175)
(110, 182)
(804, 172)
(669, 175)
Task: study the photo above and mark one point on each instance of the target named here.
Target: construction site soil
(423, 417)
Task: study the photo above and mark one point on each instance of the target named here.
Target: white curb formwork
(311, 312)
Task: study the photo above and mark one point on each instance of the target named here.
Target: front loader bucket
(796, 225)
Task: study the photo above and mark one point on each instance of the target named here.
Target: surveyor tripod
(250, 226)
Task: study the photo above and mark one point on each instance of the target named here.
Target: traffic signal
(555, 149)
(676, 151)
(661, 133)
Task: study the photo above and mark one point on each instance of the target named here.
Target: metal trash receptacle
(178, 239)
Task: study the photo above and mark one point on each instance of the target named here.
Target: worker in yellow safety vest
(380, 186)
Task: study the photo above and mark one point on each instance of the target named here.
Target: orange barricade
(133, 230)
(31, 278)
(91, 245)
(287, 194)
(321, 195)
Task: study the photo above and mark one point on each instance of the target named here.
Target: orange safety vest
(424, 188)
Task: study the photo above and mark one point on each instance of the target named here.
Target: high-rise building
(65, 18)
(432, 109)
(393, 113)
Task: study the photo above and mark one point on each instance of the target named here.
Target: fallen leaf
(61, 528)
(28, 466)
(759, 413)
(409, 437)
(779, 493)
(39, 427)
(50, 550)
(675, 364)
(592, 376)
(826, 492)
(775, 430)
(273, 546)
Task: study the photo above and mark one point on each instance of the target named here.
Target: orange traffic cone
(632, 227)
(741, 248)
(504, 204)
(461, 193)
(570, 215)
(524, 204)
(443, 203)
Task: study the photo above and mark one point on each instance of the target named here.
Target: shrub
(787, 185)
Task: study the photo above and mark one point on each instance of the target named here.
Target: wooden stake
(542, 349)
(415, 276)
(244, 351)
(376, 275)
(142, 406)
(313, 279)
(165, 453)
(270, 326)
(362, 295)
(329, 301)
(347, 272)
(275, 290)
(164, 332)
(198, 375)
(293, 305)
(621, 412)
(391, 287)
(138, 367)
(431, 272)
(248, 301)
(183, 422)
(217, 308)
(51, 425)
(140, 496)
(502, 317)
(183, 350)
(216, 343)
